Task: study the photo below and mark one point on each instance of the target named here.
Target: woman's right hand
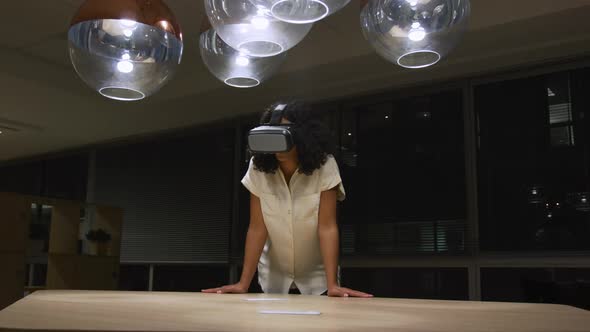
(229, 289)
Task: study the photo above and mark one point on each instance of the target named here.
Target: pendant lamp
(251, 29)
(233, 67)
(125, 49)
(414, 33)
(302, 11)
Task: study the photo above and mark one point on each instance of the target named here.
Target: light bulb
(125, 66)
(417, 34)
(260, 22)
(128, 23)
(164, 25)
(242, 61)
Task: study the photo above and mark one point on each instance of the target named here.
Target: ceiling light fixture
(252, 29)
(301, 11)
(233, 67)
(412, 33)
(125, 49)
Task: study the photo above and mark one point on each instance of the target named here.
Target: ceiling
(51, 110)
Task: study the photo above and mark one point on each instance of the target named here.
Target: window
(176, 193)
(422, 283)
(403, 167)
(186, 278)
(537, 285)
(533, 164)
(560, 110)
(22, 178)
(134, 277)
(66, 177)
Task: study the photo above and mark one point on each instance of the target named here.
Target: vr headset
(271, 137)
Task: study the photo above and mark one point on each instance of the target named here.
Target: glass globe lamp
(251, 29)
(302, 11)
(125, 49)
(233, 67)
(414, 33)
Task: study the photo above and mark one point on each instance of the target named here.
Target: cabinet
(68, 265)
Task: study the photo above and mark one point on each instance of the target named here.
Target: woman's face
(290, 155)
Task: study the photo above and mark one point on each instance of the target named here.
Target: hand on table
(228, 289)
(337, 291)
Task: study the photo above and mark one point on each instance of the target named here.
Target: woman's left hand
(337, 291)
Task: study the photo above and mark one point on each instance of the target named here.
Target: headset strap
(277, 114)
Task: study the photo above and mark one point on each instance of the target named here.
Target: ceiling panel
(32, 21)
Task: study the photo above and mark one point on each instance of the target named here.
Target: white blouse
(292, 251)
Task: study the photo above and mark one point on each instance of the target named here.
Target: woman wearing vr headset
(295, 184)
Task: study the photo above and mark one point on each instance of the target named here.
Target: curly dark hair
(310, 135)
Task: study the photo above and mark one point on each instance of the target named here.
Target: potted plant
(100, 238)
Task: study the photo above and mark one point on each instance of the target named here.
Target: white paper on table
(288, 312)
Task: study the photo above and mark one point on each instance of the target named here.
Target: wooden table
(142, 311)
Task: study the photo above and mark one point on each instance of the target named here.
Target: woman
(293, 235)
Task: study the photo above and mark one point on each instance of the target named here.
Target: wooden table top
(155, 311)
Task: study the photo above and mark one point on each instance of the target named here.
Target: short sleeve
(251, 180)
(330, 178)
